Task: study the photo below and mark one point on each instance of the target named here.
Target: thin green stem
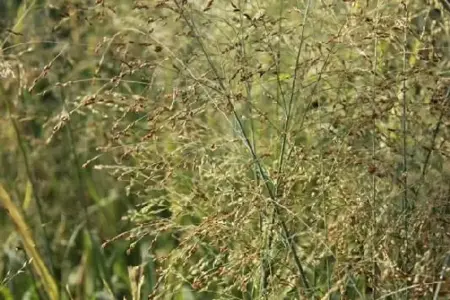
(30, 176)
(267, 181)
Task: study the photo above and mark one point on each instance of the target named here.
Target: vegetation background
(224, 149)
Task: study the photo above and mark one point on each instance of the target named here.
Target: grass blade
(24, 231)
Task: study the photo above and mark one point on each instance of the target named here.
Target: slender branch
(267, 181)
(405, 202)
(37, 198)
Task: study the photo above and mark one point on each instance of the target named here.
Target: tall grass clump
(290, 149)
(272, 149)
(56, 214)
